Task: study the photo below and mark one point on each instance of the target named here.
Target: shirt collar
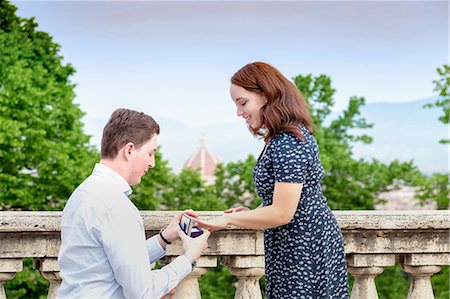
(101, 169)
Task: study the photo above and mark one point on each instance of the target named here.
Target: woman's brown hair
(285, 110)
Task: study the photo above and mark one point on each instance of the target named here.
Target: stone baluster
(365, 267)
(49, 269)
(8, 269)
(248, 270)
(189, 288)
(421, 267)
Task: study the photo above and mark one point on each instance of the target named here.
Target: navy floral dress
(304, 258)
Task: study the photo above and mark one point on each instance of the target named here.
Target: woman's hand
(215, 224)
(237, 209)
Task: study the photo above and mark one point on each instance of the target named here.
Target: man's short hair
(126, 126)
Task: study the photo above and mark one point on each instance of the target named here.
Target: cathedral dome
(204, 160)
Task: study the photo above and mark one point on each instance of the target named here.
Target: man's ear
(128, 150)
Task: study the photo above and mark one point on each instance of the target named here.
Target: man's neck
(116, 166)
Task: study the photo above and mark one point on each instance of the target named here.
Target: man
(103, 252)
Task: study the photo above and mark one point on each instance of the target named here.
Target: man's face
(142, 159)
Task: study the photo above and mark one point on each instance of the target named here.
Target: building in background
(204, 160)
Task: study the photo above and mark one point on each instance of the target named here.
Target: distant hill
(404, 131)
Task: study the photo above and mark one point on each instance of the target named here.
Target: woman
(304, 251)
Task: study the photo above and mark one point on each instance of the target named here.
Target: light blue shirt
(103, 251)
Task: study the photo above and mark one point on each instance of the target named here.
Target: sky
(173, 60)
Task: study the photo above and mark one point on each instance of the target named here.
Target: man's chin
(135, 182)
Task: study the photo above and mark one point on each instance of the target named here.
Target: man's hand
(170, 233)
(193, 247)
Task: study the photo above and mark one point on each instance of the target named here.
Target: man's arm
(126, 248)
(154, 248)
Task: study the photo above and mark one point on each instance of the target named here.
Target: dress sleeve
(290, 157)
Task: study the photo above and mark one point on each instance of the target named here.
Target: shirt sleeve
(290, 158)
(128, 253)
(154, 249)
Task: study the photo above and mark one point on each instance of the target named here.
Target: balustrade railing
(374, 240)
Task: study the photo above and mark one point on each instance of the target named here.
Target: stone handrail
(374, 240)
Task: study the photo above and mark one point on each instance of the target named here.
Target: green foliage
(160, 189)
(149, 194)
(441, 284)
(393, 283)
(376, 177)
(27, 284)
(348, 183)
(217, 283)
(234, 183)
(436, 188)
(442, 86)
(188, 191)
(319, 95)
(44, 153)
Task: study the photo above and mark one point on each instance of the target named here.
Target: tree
(189, 191)
(234, 183)
(436, 187)
(149, 194)
(44, 153)
(442, 86)
(341, 186)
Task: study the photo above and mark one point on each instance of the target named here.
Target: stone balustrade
(374, 240)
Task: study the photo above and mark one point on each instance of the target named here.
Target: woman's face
(248, 105)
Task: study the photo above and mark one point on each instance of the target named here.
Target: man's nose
(152, 163)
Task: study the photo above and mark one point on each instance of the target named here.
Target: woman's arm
(286, 197)
(240, 209)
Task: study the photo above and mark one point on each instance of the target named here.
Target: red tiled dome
(204, 160)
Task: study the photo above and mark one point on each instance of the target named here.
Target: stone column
(49, 269)
(365, 267)
(421, 267)
(8, 269)
(189, 288)
(248, 270)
